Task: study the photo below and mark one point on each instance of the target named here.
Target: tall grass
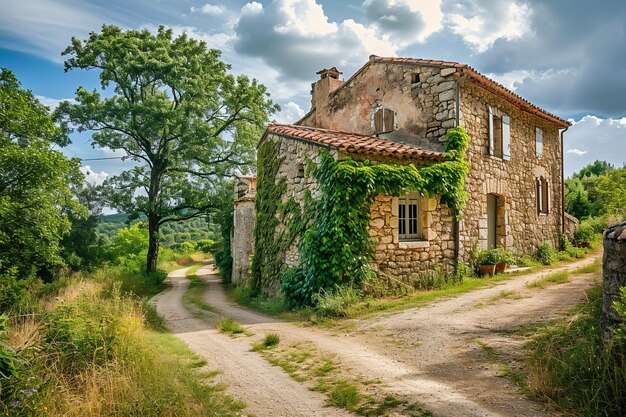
(95, 348)
(572, 365)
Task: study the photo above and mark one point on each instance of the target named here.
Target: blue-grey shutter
(506, 137)
(539, 142)
(490, 131)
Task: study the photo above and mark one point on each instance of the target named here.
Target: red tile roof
(354, 143)
(478, 78)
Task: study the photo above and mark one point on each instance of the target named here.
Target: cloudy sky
(568, 57)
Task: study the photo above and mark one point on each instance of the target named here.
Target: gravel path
(266, 389)
(428, 354)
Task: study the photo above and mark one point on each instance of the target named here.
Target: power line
(102, 159)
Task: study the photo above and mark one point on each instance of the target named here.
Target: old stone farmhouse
(399, 109)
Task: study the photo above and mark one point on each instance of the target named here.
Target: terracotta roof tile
(484, 82)
(354, 143)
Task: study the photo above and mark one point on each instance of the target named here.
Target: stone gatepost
(242, 239)
(614, 274)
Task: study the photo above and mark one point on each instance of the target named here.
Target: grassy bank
(574, 367)
(95, 347)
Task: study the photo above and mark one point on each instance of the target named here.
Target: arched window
(384, 119)
(543, 195)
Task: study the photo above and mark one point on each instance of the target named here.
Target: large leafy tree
(35, 183)
(176, 111)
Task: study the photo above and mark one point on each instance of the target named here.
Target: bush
(546, 254)
(13, 291)
(573, 251)
(335, 303)
(268, 342)
(206, 245)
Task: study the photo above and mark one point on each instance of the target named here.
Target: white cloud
(593, 138)
(45, 26)
(252, 8)
(94, 178)
(289, 113)
(53, 103)
(488, 21)
(404, 21)
(212, 9)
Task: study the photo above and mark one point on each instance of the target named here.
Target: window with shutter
(384, 121)
(506, 137)
(539, 142)
(409, 227)
(490, 131)
(499, 131)
(546, 196)
(539, 195)
(543, 195)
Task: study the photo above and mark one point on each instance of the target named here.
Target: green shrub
(335, 303)
(546, 254)
(9, 360)
(585, 232)
(206, 245)
(13, 290)
(229, 326)
(268, 342)
(345, 395)
(573, 251)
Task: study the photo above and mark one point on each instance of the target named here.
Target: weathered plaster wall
(523, 229)
(422, 98)
(242, 239)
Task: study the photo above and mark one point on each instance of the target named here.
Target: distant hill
(171, 233)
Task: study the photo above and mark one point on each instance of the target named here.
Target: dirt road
(432, 354)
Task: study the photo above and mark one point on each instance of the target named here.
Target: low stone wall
(614, 274)
(571, 225)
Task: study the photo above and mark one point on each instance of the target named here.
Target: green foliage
(9, 361)
(344, 394)
(229, 326)
(337, 248)
(597, 190)
(270, 340)
(336, 303)
(35, 184)
(176, 111)
(489, 257)
(596, 168)
(206, 245)
(546, 254)
(572, 364)
(224, 219)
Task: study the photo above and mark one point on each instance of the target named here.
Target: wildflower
(31, 378)
(30, 392)
(15, 403)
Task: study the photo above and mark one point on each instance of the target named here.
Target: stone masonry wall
(411, 260)
(522, 229)
(614, 274)
(295, 155)
(422, 98)
(242, 238)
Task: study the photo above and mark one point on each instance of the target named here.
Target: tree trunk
(153, 242)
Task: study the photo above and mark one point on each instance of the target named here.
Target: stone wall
(522, 229)
(422, 98)
(410, 261)
(296, 155)
(242, 238)
(571, 225)
(614, 274)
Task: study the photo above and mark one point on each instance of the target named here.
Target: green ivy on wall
(336, 248)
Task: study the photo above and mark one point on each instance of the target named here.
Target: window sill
(413, 244)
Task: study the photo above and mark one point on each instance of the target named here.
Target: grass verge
(231, 327)
(192, 299)
(324, 374)
(572, 365)
(94, 349)
(555, 278)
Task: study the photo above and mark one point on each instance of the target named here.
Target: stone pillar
(244, 219)
(614, 274)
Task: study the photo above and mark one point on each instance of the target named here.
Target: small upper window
(300, 171)
(499, 128)
(539, 142)
(384, 120)
(543, 195)
(409, 227)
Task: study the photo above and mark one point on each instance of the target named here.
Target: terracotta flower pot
(487, 269)
(500, 266)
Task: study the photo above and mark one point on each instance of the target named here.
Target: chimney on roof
(329, 81)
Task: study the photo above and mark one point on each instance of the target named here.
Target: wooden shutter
(506, 137)
(379, 121)
(490, 131)
(539, 142)
(547, 195)
(389, 119)
(539, 194)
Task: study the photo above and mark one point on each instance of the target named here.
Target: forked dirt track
(431, 354)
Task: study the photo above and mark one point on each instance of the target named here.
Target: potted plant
(487, 260)
(504, 258)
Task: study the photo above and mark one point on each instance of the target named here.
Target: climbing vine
(336, 248)
(278, 223)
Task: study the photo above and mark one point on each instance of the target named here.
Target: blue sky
(568, 57)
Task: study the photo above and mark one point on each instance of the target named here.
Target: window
(409, 227)
(300, 171)
(384, 121)
(499, 128)
(539, 142)
(543, 195)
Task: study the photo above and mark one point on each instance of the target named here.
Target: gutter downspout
(563, 183)
(455, 221)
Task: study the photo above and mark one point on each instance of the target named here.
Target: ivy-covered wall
(330, 211)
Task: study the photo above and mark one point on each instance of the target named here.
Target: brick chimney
(329, 81)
